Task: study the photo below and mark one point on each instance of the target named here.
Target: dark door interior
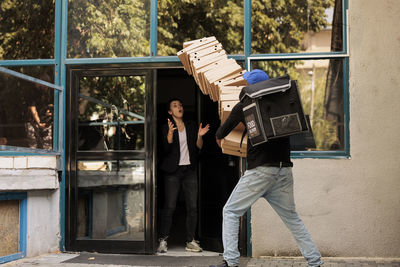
(218, 173)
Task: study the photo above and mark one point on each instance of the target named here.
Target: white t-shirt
(184, 158)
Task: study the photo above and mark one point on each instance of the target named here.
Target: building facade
(83, 93)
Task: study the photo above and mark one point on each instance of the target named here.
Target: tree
(26, 29)
(121, 28)
(183, 20)
(279, 26)
(114, 28)
(125, 94)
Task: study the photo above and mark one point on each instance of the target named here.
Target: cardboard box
(193, 53)
(219, 83)
(183, 56)
(239, 81)
(220, 78)
(232, 144)
(188, 43)
(200, 73)
(225, 107)
(229, 89)
(220, 74)
(234, 152)
(204, 52)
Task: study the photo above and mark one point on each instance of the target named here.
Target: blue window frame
(15, 150)
(60, 62)
(21, 196)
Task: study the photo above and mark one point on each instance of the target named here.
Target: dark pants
(186, 178)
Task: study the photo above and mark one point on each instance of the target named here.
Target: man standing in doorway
(181, 141)
(268, 175)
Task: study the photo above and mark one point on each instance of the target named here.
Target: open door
(218, 173)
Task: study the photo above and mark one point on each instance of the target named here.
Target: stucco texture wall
(351, 207)
(43, 231)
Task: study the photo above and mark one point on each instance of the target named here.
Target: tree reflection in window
(27, 29)
(180, 21)
(111, 113)
(110, 28)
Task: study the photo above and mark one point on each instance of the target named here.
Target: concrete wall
(352, 206)
(37, 176)
(43, 227)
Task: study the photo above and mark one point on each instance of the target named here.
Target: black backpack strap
(243, 135)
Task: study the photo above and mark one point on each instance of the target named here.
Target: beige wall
(352, 206)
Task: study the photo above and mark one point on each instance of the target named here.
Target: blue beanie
(255, 76)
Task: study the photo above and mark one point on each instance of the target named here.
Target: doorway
(217, 173)
(114, 189)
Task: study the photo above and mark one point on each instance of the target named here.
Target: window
(21, 24)
(180, 21)
(13, 226)
(26, 110)
(322, 101)
(111, 113)
(111, 201)
(296, 26)
(278, 36)
(305, 39)
(108, 28)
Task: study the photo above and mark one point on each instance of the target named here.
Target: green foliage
(114, 28)
(26, 29)
(183, 20)
(126, 93)
(279, 26)
(325, 131)
(121, 28)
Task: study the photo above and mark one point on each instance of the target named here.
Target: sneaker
(193, 246)
(223, 264)
(162, 248)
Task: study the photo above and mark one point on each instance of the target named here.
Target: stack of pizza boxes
(221, 79)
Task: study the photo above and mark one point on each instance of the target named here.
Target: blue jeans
(276, 186)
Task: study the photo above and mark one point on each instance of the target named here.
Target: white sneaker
(162, 248)
(193, 246)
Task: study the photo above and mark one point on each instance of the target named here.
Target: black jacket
(172, 153)
(271, 152)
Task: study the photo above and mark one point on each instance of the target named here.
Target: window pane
(111, 200)
(45, 73)
(320, 85)
(180, 21)
(26, 110)
(9, 227)
(108, 28)
(296, 26)
(111, 113)
(26, 29)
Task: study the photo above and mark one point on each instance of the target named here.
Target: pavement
(179, 257)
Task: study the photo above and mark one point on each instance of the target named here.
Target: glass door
(110, 161)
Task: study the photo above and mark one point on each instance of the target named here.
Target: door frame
(150, 243)
(148, 246)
